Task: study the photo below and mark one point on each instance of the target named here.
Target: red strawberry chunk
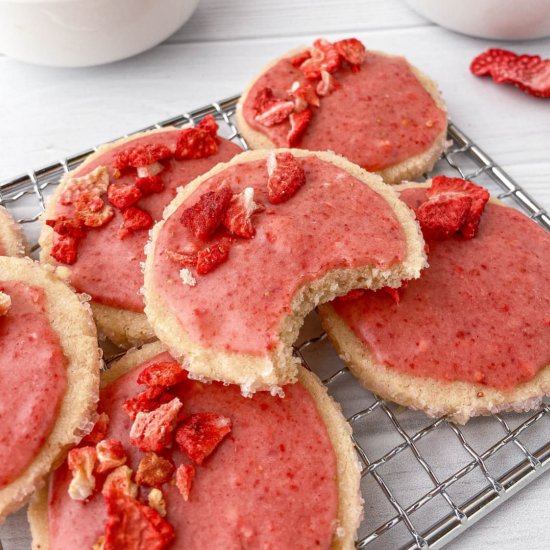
(327, 84)
(132, 525)
(479, 196)
(209, 124)
(91, 210)
(206, 215)
(210, 257)
(110, 455)
(141, 155)
(136, 219)
(64, 249)
(146, 401)
(298, 125)
(149, 185)
(154, 470)
(67, 226)
(163, 373)
(185, 474)
(298, 59)
(196, 143)
(122, 196)
(530, 73)
(324, 57)
(152, 431)
(443, 215)
(238, 218)
(352, 51)
(286, 176)
(100, 430)
(276, 113)
(304, 95)
(201, 433)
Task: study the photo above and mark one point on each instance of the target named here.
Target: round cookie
(12, 238)
(50, 364)
(388, 117)
(451, 351)
(343, 229)
(274, 418)
(108, 258)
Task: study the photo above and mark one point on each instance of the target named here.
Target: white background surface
(46, 114)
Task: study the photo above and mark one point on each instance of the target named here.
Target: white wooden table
(46, 114)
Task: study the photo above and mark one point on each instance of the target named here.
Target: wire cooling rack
(423, 480)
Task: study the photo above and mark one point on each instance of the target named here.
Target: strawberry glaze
(261, 488)
(108, 268)
(32, 371)
(480, 313)
(334, 221)
(379, 116)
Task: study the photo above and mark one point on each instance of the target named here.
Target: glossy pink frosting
(334, 221)
(108, 268)
(480, 313)
(379, 116)
(33, 378)
(265, 486)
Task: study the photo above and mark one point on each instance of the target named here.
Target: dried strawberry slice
(209, 124)
(120, 481)
(201, 433)
(91, 210)
(132, 525)
(298, 125)
(185, 474)
(81, 462)
(136, 219)
(271, 110)
(141, 155)
(443, 214)
(67, 226)
(352, 51)
(154, 470)
(99, 431)
(298, 59)
(122, 196)
(210, 257)
(196, 143)
(238, 218)
(324, 57)
(149, 185)
(479, 196)
(304, 95)
(530, 73)
(286, 176)
(163, 373)
(110, 455)
(64, 249)
(206, 215)
(146, 401)
(184, 259)
(327, 84)
(152, 431)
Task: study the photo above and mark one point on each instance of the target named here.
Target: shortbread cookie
(247, 250)
(377, 110)
(98, 220)
(12, 238)
(472, 335)
(264, 472)
(49, 368)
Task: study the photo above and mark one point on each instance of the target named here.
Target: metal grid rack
(423, 481)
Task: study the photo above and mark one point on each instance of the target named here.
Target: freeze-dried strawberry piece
(238, 218)
(196, 143)
(271, 110)
(120, 481)
(286, 176)
(92, 211)
(122, 196)
(5, 304)
(201, 433)
(141, 155)
(185, 474)
(67, 226)
(156, 501)
(209, 124)
(530, 73)
(298, 125)
(210, 257)
(146, 401)
(132, 525)
(185, 259)
(64, 249)
(304, 95)
(99, 431)
(136, 219)
(443, 214)
(154, 470)
(94, 183)
(81, 462)
(298, 59)
(327, 84)
(324, 57)
(110, 454)
(150, 170)
(206, 215)
(152, 431)
(352, 51)
(479, 196)
(149, 185)
(163, 373)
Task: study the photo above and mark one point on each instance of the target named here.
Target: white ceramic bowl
(77, 33)
(497, 19)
